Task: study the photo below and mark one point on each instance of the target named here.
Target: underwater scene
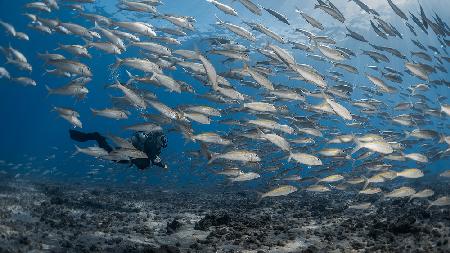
(224, 126)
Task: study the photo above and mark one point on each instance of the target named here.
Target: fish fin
(290, 157)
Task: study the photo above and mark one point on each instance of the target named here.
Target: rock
(212, 220)
(173, 226)
(162, 249)
(56, 200)
(403, 225)
(168, 249)
(311, 249)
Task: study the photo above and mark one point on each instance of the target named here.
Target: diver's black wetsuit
(151, 144)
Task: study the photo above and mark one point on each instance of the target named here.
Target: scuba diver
(149, 143)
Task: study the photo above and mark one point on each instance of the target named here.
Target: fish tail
(45, 71)
(245, 68)
(49, 90)
(441, 138)
(429, 205)
(115, 65)
(115, 85)
(260, 132)
(59, 46)
(212, 159)
(259, 197)
(94, 112)
(318, 180)
(119, 8)
(322, 91)
(8, 60)
(349, 157)
(130, 76)
(188, 136)
(96, 25)
(219, 21)
(110, 86)
(366, 182)
(204, 150)
(229, 182)
(87, 44)
(407, 134)
(353, 161)
(358, 146)
(78, 150)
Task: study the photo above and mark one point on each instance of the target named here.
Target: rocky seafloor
(42, 217)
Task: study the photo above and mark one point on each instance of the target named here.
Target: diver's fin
(83, 137)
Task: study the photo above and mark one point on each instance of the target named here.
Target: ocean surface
(35, 145)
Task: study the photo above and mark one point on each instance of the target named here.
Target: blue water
(36, 138)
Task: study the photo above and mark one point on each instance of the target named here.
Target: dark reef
(75, 218)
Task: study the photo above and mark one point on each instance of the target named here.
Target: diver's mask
(162, 141)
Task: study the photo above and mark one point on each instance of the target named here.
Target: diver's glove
(158, 162)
